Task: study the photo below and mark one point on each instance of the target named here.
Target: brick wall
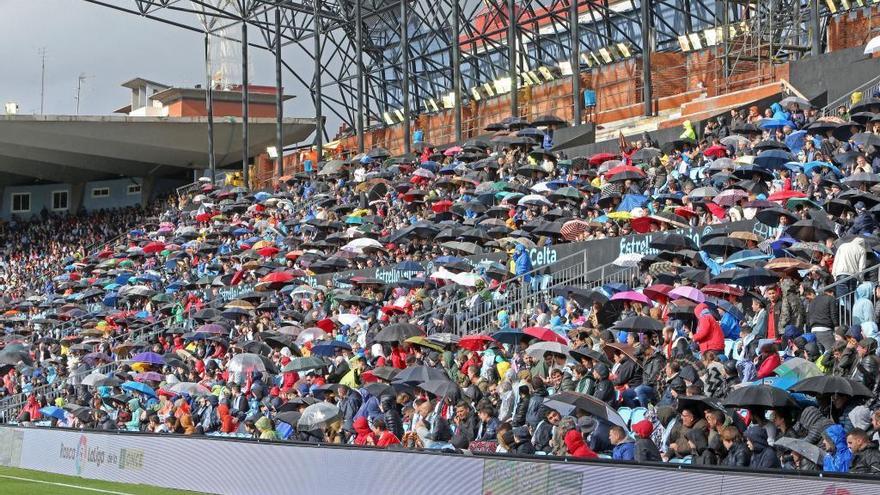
(852, 29)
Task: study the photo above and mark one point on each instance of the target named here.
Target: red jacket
(709, 335)
(576, 447)
(769, 364)
(387, 439)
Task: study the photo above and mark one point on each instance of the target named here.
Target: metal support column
(319, 118)
(647, 47)
(575, 60)
(279, 100)
(245, 179)
(359, 35)
(456, 68)
(512, 39)
(725, 34)
(815, 42)
(404, 61)
(209, 106)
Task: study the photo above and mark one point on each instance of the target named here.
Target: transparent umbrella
(318, 416)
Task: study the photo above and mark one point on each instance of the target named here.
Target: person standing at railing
(849, 262)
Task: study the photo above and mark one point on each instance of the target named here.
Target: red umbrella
(293, 255)
(105, 253)
(268, 251)
(716, 151)
(600, 158)
(545, 334)
(642, 225)
(204, 217)
(717, 211)
(786, 195)
(441, 206)
(326, 325)
(685, 211)
(722, 290)
(657, 291)
(475, 342)
(624, 168)
(277, 278)
(154, 247)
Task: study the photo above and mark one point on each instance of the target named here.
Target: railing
(848, 298)
(219, 180)
(524, 292)
(867, 89)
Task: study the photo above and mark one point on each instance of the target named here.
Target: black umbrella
(567, 402)
(378, 153)
(826, 384)
(420, 374)
(723, 246)
(378, 389)
(549, 120)
(771, 216)
(809, 230)
(753, 277)
(386, 373)
(745, 128)
(397, 333)
(444, 388)
(645, 155)
(673, 242)
(289, 417)
(641, 324)
(760, 396)
(698, 404)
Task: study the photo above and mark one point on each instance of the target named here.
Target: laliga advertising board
(225, 466)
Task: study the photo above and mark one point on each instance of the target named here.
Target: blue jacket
(624, 451)
(864, 223)
(522, 262)
(863, 309)
(840, 460)
(730, 326)
(779, 112)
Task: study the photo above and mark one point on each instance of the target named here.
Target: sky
(109, 47)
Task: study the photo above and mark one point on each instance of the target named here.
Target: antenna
(79, 81)
(42, 52)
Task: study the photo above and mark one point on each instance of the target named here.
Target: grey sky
(109, 47)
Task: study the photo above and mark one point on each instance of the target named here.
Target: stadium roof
(73, 149)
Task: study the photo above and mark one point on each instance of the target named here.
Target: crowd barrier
(231, 466)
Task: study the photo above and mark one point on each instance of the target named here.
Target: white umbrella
(362, 243)
(318, 416)
(241, 363)
(91, 378)
(190, 388)
(534, 199)
(628, 259)
(873, 46)
(310, 334)
(537, 350)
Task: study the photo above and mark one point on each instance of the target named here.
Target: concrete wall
(836, 73)
(119, 196)
(40, 197)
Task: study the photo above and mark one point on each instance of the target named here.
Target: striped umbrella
(573, 229)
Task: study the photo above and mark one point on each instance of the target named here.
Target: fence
(845, 291)
(867, 89)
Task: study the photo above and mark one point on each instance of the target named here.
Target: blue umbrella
(241, 231)
(139, 387)
(512, 336)
(773, 159)
(810, 168)
(448, 260)
(744, 256)
(124, 278)
(110, 299)
(795, 140)
(429, 165)
(53, 412)
(329, 348)
(137, 232)
(262, 196)
(775, 124)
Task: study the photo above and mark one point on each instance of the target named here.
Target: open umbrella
(760, 396)
(191, 388)
(567, 402)
(826, 384)
(444, 388)
(809, 451)
(420, 374)
(698, 404)
(305, 363)
(545, 335)
(139, 387)
(640, 324)
(538, 349)
(318, 416)
(397, 333)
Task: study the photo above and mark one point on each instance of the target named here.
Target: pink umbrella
(631, 295)
(687, 292)
(452, 151)
(545, 334)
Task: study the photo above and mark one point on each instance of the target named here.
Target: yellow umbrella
(263, 244)
(620, 215)
(422, 341)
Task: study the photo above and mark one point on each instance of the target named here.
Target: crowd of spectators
(736, 350)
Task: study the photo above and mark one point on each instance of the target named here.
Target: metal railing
(526, 291)
(867, 89)
(848, 298)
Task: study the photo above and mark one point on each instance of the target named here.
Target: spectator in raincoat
(838, 455)
(763, 455)
(688, 132)
(863, 310)
(521, 262)
(708, 335)
(779, 112)
(134, 406)
(266, 428)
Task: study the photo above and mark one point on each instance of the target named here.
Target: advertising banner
(245, 467)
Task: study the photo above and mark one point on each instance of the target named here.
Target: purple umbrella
(149, 358)
(211, 328)
(97, 357)
(687, 292)
(633, 296)
(149, 376)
